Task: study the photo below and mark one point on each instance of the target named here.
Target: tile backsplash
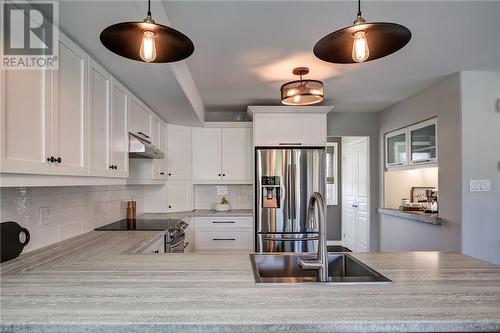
(52, 214)
(239, 196)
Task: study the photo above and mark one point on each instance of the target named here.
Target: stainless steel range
(174, 237)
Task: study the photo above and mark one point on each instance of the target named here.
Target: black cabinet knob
(169, 206)
(111, 167)
(223, 175)
(59, 160)
(116, 167)
(51, 159)
(162, 173)
(219, 174)
(170, 174)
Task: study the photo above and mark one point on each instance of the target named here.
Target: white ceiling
(244, 50)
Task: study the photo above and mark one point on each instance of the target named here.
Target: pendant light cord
(149, 7)
(359, 7)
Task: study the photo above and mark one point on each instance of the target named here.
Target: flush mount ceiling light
(147, 41)
(302, 92)
(362, 41)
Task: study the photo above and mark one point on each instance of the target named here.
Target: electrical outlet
(44, 215)
(222, 190)
(480, 185)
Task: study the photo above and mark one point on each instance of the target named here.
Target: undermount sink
(284, 268)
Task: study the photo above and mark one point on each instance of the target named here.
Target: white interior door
(69, 121)
(355, 195)
(237, 154)
(349, 196)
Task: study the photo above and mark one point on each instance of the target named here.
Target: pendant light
(302, 92)
(362, 41)
(147, 41)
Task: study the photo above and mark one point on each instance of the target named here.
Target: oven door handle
(176, 242)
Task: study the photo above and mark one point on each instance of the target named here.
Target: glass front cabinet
(412, 145)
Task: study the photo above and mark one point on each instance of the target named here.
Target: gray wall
(441, 100)
(334, 213)
(362, 124)
(481, 160)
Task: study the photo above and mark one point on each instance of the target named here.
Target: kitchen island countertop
(90, 283)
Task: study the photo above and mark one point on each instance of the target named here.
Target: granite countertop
(91, 284)
(197, 212)
(432, 218)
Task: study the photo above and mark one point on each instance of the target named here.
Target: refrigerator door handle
(288, 193)
(293, 168)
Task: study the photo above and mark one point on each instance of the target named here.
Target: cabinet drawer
(221, 240)
(226, 222)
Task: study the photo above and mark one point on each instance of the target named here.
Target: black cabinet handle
(223, 222)
(111, 167)
(59, 160)
(162, 173)
(223, 239)
(51, 159)
(144, 135)
(116, 167)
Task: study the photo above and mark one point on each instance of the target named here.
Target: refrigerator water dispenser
(270, 191)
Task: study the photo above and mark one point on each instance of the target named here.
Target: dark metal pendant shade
(125, 40)
(383, 39)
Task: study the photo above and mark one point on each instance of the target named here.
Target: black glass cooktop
(141, 224)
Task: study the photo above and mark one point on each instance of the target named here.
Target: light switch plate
(479, 185)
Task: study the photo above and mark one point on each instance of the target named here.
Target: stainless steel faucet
(317, 204)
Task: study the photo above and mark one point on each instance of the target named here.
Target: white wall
(442, 100)
(481, 160)
(72, 210)
(360, 124)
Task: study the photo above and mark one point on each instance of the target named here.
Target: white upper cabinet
(25, 118)
(207, 154)
(140, 120)
(237, 154)
(423, 142)
(108, 102)
(412, 146)
(293, 129)
(178, 153)
(118, 139)
(100, 109)
(44, 117)
(160, 140)
(70, 116)
(222, 155)
(179, 196)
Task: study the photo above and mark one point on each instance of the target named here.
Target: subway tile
(70, 230)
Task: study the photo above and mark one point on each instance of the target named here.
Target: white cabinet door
(119, 129)
(206, 154)
(290, 130)
(160, 165)
(100, 109)
(396, 149)
(179, 196)
(140, 119)
(237, 154)
(179, 152)
(69, 117)
(422, 139)
(25, 115)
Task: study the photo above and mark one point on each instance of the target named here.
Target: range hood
(142, 148)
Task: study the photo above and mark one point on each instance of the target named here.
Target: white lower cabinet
(223, 233)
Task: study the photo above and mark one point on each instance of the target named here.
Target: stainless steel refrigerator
(285, 179)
